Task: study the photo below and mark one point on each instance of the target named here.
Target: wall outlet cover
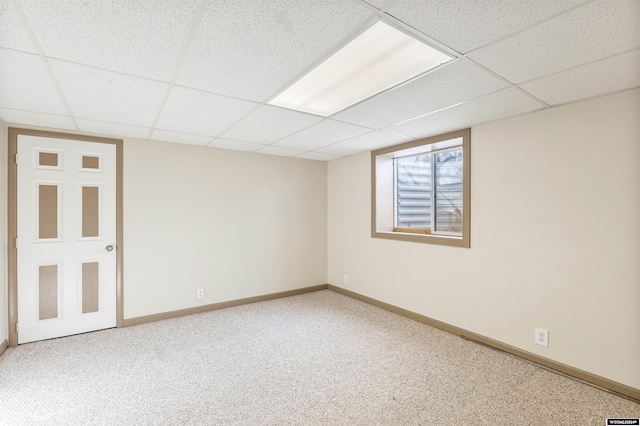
(541, 337)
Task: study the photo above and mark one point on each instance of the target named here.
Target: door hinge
(17, 327)
(16, 242)
(16, 158)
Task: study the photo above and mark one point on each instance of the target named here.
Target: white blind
(426, 178)
(448, 190)
(413, 192)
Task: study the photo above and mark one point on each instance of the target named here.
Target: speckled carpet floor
(316, 359)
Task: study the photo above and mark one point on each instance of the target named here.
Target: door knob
(109, 247)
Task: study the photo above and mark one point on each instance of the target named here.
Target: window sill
(423, 238)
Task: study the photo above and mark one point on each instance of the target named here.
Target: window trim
(455, 241)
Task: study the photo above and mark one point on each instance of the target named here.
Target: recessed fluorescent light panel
(378, 59)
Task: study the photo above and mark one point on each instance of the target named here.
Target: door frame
(12, 220)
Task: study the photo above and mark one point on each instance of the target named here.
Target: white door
(66, 237)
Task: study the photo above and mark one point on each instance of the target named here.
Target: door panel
(66, 219)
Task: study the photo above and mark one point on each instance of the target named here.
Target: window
(420, 190)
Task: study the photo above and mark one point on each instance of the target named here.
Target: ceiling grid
(202, 72)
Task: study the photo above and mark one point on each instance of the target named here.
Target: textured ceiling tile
(364, 143)
(594, 31)
(235, 145)
(454, 83)
(276, 150)
(496, 106)
(252, 49)
(595, 79)
(322, 134)
(107, 96)
(12, 33)
(36, 119)
(112, 130)
(267, 124)
(201, 113)
(26, 84)
(319, 156)
(142, 38)
(380, 4)
(183, 138)
(465, 25)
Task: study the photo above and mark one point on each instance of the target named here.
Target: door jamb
(12, 222)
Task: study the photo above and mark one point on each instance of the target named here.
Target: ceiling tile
(496, 106)
(201, 113)
(558, 50)
(322, 134)
(267, 124)
(598, 78)
(142, 38)
(36, 119)
(235, 145)
(12, 32)
(107, 96)
(364, 143)
(319, 156)
(378, 3)
(451, 84)
(113, 130)
(183, 138)
(465, 25)
(594, 31)
(25, 84)
(276, 150)
(253, 52)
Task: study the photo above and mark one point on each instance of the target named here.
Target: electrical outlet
(200, 293)
(541, 337)
(346, 279)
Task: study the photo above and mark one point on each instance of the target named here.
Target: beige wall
(4, 320)
(236, 224)
(555, 238)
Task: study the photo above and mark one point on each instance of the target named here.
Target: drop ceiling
(202, 72)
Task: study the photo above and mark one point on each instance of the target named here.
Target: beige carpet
(316, 359)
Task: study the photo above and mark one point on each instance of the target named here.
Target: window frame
(433, 145)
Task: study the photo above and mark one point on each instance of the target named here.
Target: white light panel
(378, 59)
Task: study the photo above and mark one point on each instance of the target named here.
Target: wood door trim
(12, 222)
(12, 231)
